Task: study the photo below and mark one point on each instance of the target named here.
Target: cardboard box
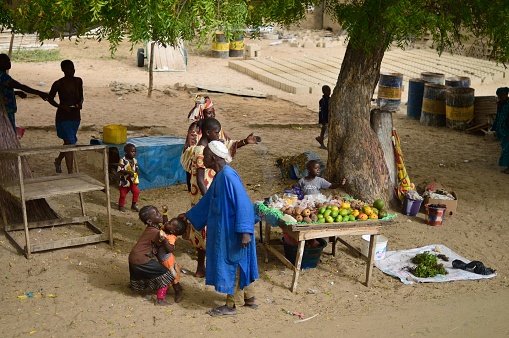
(451, 205)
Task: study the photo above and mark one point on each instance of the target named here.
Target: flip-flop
(323, 147)
(251, 306)
(220, 311)
(58, 167)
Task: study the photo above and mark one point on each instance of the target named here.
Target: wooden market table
(303, 232)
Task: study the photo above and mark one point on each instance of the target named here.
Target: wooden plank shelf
(45, 187)
(28, 188)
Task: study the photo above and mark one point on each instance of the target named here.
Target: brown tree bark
(381, 123)
(354, 149)
(151, 70)
(37, 210)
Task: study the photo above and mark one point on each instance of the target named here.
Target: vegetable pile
(427, 265)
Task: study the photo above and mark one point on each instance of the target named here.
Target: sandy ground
(86, 288)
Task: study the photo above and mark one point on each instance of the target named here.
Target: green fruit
(321, 210)
(346, 219)
(338, 219)
(329, 219)
(343, 212)
(329, 207)
(334, 213)
(382, 214)
(379, 204)
(320, 216)
(321, 220)
(375, 210)
(351, 218)
(326, 213)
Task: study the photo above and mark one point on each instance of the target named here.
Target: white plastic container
(380, 248)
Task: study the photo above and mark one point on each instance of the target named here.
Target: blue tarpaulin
(158, 158)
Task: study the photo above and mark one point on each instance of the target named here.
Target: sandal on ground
(58, 167)
(251, 303)
(222, 311)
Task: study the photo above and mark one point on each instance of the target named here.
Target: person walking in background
(227, 212)
(501, 126)
(68, 117)
(8, 92)
(323, 115)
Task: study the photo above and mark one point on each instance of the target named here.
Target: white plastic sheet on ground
(396, 263)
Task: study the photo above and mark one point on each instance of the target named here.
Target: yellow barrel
(237, 46)
(459, 108)
(220, 47)
(433, 105)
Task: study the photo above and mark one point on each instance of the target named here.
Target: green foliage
(36, 55)
(427, 265)
(371, 24)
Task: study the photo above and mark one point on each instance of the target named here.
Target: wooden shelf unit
(27, 189)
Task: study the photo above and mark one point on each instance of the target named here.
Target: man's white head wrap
(219, 149)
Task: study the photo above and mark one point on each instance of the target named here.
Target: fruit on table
(375, 210)
(321, 210)
(313, 217)
(379, 204)
(345, 205)
(351, 218)
(338, 218)
(382, 213)
(362, 216)
(334, 213)
(306, 212)
(307, 219)
(299, 218)
(373, 216)
(355, 213)
(367, 210)
(334, 208)
(343, 212)
(327, 213)
(329, 219)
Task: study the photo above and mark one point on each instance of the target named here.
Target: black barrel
(237, 46)
(415, 93)
(459, 107)
(220, 47)
(457, 81)
(389, 91)
(433, 105)
(437, 78)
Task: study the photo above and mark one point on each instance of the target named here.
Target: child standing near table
(323, 115)
(312, 183)
(128, 170)
(170, 230)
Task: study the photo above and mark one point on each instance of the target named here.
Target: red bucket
(435, 214)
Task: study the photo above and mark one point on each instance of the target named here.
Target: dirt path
(90, 283)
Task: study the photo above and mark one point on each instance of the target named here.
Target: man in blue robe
(231, 250)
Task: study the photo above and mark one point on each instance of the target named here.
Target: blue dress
(501, 127)
(228, 212)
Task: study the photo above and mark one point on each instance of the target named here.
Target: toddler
(128, 170)
(312, 183)
(170, 230)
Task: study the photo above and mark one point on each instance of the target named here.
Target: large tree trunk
(354, 149)
(37, 210)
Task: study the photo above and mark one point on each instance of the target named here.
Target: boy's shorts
(67, 130)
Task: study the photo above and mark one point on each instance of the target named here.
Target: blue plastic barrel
(436, 78)
(389, 91)
(458, 81)
(415, 93)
